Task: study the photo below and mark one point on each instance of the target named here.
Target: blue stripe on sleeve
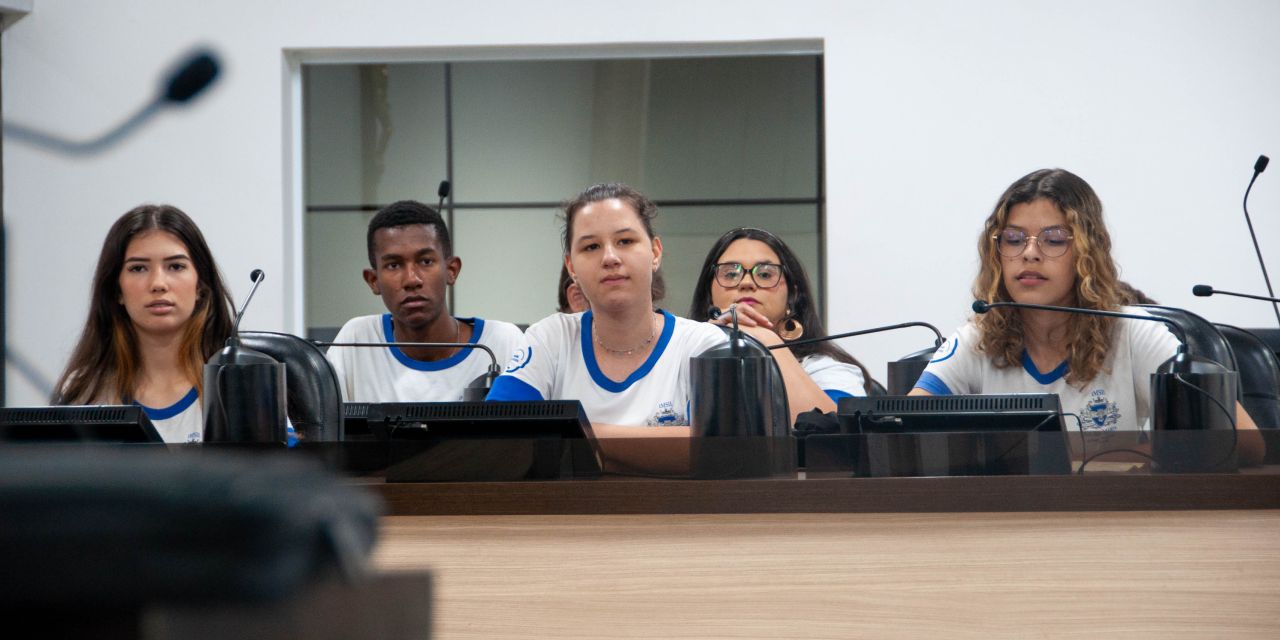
(836, 394)
(512, 389)
(933, 384)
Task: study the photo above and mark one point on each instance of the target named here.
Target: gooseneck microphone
(245, 391)
(197, 71)
(982, 306)
(1204, 291)
(257, 276)
(1179, 388)
(443, 192)
(937, 342)
(735, 336)
(1258, 168)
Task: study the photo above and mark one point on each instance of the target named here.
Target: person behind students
(411, 265)
(1047, 243)
(756, 271)
(158, 311)
(570, 298)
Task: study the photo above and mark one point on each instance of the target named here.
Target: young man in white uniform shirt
(412, 263)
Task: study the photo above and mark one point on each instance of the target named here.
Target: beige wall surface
(1195, 574)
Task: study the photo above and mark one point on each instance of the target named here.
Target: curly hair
(1097, 283)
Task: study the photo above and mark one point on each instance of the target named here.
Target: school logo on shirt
(947, 350)
(667, 417)
(520, 360)
(1098, 412)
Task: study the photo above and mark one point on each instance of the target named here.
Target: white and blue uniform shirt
(386, 374)
(836, 379)
(183, 421)
(1117, 399)
(557, 361)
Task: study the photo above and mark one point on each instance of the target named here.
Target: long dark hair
(799, 297)
(104, 365)
(645, 209)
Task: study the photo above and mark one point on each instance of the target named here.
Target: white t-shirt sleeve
(707, 336)
(956, 368)
(1150, 344)
(532, 368)
(836, 379)
(338, 357)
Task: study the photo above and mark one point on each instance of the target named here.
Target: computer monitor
(950, 414)
(946, 435)
(452, 420)
(108, 424)
(474, 441)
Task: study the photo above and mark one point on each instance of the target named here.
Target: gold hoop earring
(791, 330)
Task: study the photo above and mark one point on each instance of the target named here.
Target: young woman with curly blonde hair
(1046, 243)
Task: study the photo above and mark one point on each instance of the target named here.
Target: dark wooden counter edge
(862, 495)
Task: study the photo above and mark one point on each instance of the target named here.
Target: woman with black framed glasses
(756, 271)
(1047, 243)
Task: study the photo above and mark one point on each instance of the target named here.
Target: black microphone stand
(1258, 168)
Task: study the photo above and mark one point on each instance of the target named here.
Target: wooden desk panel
(1151, 574)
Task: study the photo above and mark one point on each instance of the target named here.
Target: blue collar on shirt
(1043, 378)
(589, 355)
(172, 410)
(438, 365)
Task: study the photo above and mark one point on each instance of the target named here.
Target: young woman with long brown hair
(158, 311)
(1047, 243)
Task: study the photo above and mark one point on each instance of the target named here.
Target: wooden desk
(1132, 556)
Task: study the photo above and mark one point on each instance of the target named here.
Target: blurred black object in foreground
(97, 535)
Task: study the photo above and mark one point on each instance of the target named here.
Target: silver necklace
(625, 352)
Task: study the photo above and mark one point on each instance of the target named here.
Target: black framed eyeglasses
(766, 275)
(1053, 243)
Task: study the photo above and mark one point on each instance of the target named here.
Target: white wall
(932, 110)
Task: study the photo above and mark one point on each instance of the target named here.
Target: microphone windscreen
(256, 275)
(1202, 290)
(194, 76)
(713, 312)
(1261, 164)
(980, 306)
(443, 190)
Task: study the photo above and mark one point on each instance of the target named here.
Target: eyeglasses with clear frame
(1053, 243)
(766, 275)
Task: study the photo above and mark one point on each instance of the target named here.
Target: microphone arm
(257, 276)
(982, 306)
(1258, 168)
(493, 360)
(1204, 291)
(936, 343)
(197, 72)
